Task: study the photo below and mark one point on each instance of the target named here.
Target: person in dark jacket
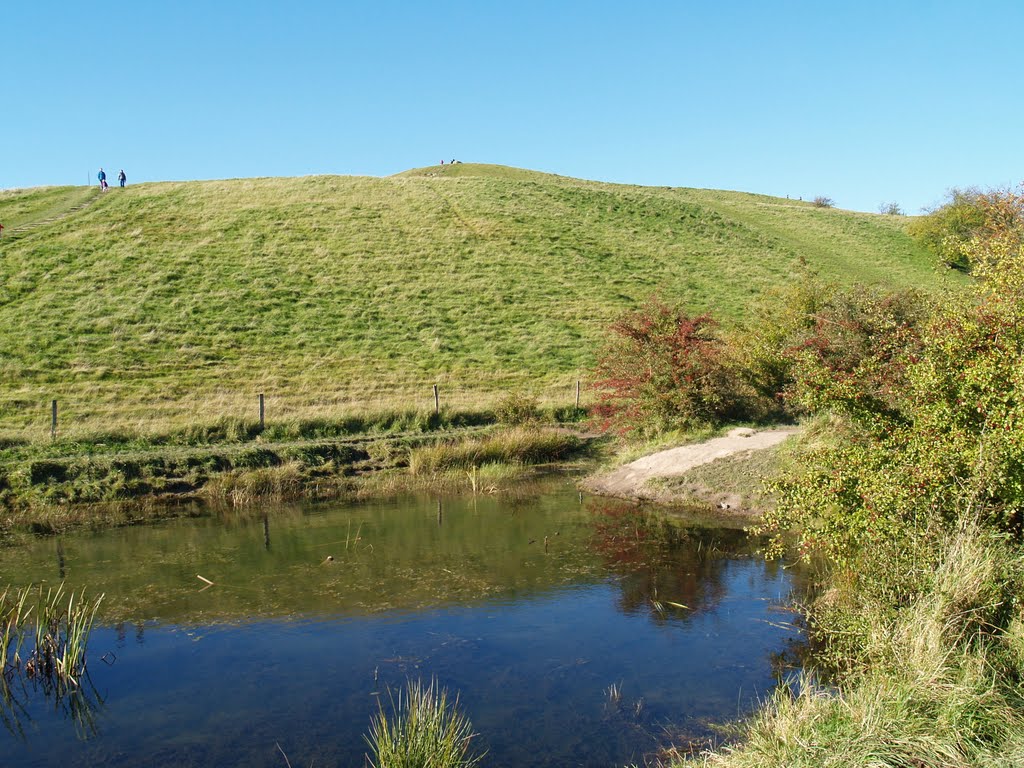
(122, 178)
(102, 176)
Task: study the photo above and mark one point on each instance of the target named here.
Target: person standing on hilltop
(102, 176)
(122, 178)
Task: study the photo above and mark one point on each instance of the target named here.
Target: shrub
(662, 370)
(952, 230)
(517, 408)
(854, 347)
(823, 202)
(813, 334)
(932, 415)
(890, 209)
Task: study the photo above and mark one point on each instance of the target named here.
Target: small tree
(823, 202)
(948, 229)
(890, 209)
(662, 370)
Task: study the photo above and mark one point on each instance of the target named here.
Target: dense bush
(913, 489)
(952, 230)
(812, 337)
(932, 416)
(517, 408)
(662, 370)
(823, 202)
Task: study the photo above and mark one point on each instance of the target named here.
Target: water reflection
(577, 631)
(24, 701)
(668, 571)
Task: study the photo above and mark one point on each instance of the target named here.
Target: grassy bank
(341, 296)
(929, 674)
(49, 487)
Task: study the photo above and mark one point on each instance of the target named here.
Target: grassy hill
(172, 302)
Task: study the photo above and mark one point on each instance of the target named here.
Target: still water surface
(530, 608)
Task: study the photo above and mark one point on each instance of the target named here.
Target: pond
(576, 631)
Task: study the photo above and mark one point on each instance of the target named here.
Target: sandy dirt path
(629, 480)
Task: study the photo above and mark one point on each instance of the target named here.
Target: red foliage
(662, 369)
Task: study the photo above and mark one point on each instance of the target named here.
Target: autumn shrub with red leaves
(663, 370)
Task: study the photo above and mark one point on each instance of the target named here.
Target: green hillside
(169, 302)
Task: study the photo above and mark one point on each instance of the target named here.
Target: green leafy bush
(932, 414)
(814, 336)
(952, 230)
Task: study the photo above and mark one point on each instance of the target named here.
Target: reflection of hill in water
(385, 556)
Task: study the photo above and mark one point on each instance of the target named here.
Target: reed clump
(424, 729)
(246, 486)
(43, 635)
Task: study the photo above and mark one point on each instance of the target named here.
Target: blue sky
(864, 102)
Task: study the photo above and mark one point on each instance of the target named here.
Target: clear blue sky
(863, 102)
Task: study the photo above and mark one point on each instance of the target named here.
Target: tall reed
(57, 628)
(13, 614)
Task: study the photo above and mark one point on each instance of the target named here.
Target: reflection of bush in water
(662, 562)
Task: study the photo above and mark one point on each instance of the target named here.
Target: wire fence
(261, 409)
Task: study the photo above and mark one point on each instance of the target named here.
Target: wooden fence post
(262, 422)
(437, 402)
(53, 420)
(577, 394)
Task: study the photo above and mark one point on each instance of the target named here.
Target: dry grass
(247, 486)
(939, 686)
(518, 445)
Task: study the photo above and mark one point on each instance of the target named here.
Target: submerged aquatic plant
(423, 730)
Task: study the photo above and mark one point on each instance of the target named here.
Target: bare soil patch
(633, 480)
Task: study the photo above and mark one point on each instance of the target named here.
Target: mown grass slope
(22, 208)
(172, 302)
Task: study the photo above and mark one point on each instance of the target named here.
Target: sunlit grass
(515, 445)
(937, 682)
(165, 304)
(424, 729)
